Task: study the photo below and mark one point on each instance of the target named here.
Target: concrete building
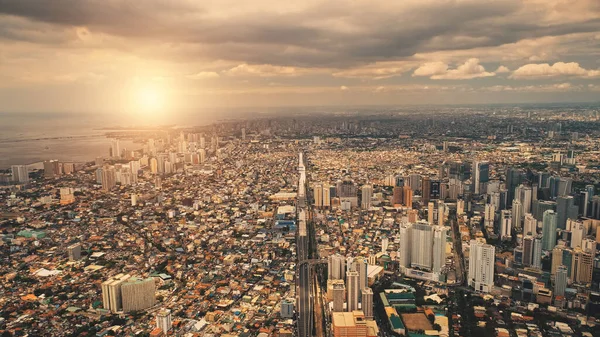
(481, 266)
(111, 292)
(367, 302)
(506, 225)
(138, 294)
(164, 320)
(549, 230)
(339, 292)
(287, 309)
(336, 267)
(74, 252)
(366, 196)
(421, 246)
(440, 235)
(353, 290)
(560, 281)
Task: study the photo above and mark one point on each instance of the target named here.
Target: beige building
(111, 292)
(138, 294)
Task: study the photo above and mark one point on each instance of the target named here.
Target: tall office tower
(481, 266)
(582, 266)
(51, 168)
(398, 195)
(363, 276)
(517, 216)
(421, 246)
(367, 302)
(495, 200)
(138, 294)
(460, 207)
(489, 215)
(557, 259)
(514, 177)
(565, 209)
(528, 250)
(540, 206)
(339, 290)
(560, 281)
(431, 212)
(425, 189)
(529, 225)
(318, 195)
(336, 267)
(543, 180)
(399, 181)
(589, 246)
(481, 176)
(549, 230)
(109, 179)
(589, 194)
(440, 235)
(536, 262)
(595, 208)
(164, 320)
(366, 196)
(407, 195)
(384, 244)
(564, 186)
(404, 248)
(153, 165)
(74, 252)
(352, 287)
(20, 173)
(414, 182)
(577, 232)
(326, 196)
(505, 225)
(243, 133)
(111, 292)
(442, 213)
(116, 148)
(525, 196)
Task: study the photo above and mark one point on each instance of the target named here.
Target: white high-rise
(489, 215)
(517, 215)
(20, 173)
(481, 266)
(577, 232)
(336, 267)
(422, 238)
(529, 225)
(363, 276)
(505, 225)
(367, 302)
(404, 248)
(367, 195)
(440, 235)
(384, 244)
(525, 196)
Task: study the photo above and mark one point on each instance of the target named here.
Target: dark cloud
(305, 38)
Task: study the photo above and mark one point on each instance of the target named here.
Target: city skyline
(178, 56)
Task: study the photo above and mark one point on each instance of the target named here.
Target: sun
(149, 99)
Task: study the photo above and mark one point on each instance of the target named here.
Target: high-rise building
(480, 176)
(366, 196)
(440, 235)
(517, 215)
(384, 244)
(565, 209)
(287, 309)
(481, 266)
(116, 148)
(577, 232)
(164, 320)
(536, 261)
(525, 196)
(407, 194)
(397, 195)
(74, 252)
(51, 168)
(111, 292)
(138, 294)
(426, 189)
(582, 266)
(404, 248)
(367, 302)
(153, 165)
(336, 267)
(349, 324)
(514, 177)
(431, 212)
(318, 195)
(353, 291)
(109, 179)
(528, 250)
(339, 290)
(549, 230)
(20, 174)
(421, 246)
(529, 225)
(363, 276)
(505, 225)
(560, 281)
(489, 215)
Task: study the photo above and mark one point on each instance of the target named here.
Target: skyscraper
(407, 194)
(138, 294)
(421, 246)
(528, 250)
(536, 261)
(439, 248)
(481, 266)
(336, 267)
(525, 196)
(366, 196)
(560, 281)
(549, 230)
(339, 290)
(352, 286)
(164, 320)
(505, 225)
(565, 209)
(398, 195)
(480, 176)
(577, 232)
(517, 215)
(529, 225)
(363, 276)
(404, 248)
(367, 302)
(111, 292)
(20, 173)
(109, 179)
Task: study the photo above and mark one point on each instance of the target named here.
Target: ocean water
(34, 137)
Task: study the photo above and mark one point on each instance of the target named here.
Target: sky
(182, 55)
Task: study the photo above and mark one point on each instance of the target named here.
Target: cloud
(344, 88)
(439, 71)
(264, 70)
(558, 69)
(203, 75)
(376, 71)
(502, 69)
